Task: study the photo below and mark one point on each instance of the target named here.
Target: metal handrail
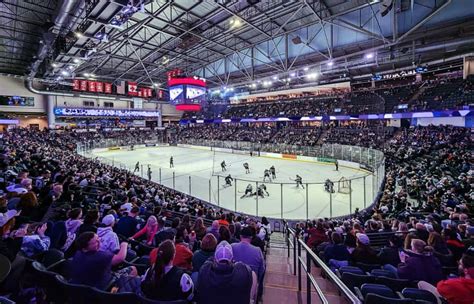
(310, 255)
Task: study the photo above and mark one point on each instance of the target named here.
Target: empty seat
(46, 281)
(368, 267)
(76, 293)
(419, 294)
(104, 297)
(373, 298)
(144, 300)
(378, 289)
(351, 269)
(382, 273)
(395, 284)
(353, 280)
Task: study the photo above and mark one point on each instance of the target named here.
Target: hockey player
(149, 173)
(171, 162)
(263, 189)
(246, 167)
(273, 172)
(329, 186)
(266, 174)
(132, 147)
(137, 167)
(299, 181)
(228, 180)
(223, 166)
(248, 191)
(336, 163)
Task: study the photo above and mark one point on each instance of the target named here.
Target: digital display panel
(176, 93)
(193, 92)
(17, 101)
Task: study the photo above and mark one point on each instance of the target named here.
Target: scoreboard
(187, 94)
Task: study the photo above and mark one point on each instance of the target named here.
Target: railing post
(365, 195)
(307, 204)
(330, 205)
(218, 192)
(294, 254)
(281, 187)
(308, 273)
(350, 196)
(174, 188)
(288, 240)
(160, 175)
(210, 191)
(141, 170)
(235, 195)
(299, 267)
(256, 189)
(190, 185)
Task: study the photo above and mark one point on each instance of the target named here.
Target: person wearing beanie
(109, 240)
(363, 253)
(223, 281)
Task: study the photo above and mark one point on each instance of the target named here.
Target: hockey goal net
(344, 185)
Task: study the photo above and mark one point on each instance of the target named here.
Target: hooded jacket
(108, 240)
(457, 291)
(419, 267)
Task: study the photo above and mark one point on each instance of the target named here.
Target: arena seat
(419, 294)
(353, 280)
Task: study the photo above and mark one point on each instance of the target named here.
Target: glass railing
(359, 189)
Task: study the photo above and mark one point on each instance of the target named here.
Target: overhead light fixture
(312, 76)
(306, 68)
(92, 75)
(86, 74)
(288, 79)
(293, 74)
(75, 60)
(64, 73)
(275, 77)
(78, 34)
(156, 84)
(70, 67)
(369, 56)
(254, 85)
(330, 63)
(54, 65)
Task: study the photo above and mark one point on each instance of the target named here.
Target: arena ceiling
(227, 42)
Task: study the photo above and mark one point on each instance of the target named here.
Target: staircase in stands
(281, 285)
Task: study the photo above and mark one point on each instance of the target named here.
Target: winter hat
(224, 252)
(108, 220)
(363, 238)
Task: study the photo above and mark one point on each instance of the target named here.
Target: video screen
(176, 93)
(193, 92)
(18, 101)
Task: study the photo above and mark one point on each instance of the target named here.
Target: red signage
(92, 86)
(76, 84)
(108, 88)
(99, 87)
(189, 80)
(132, 88)
(83, 85)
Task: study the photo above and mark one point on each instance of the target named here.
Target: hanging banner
(99, 87)
(132, 88)
(83, 85)
(92, 86)
(108, 88)
(76, 84)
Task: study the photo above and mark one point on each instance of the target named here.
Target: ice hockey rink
(198, 172)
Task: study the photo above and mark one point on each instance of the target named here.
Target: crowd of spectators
(123, 233)
(119, 232)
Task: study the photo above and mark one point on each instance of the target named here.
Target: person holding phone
(36, 241)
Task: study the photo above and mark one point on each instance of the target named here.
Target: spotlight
(306, 68)
(369, 56)
(75, 60)
(92, 75)
(330, 63)
(293, 74)
(54, 65)
(156, 84)
(78, 34)
(70, 67)
(275, 77)
(86, 74)
(65, 73)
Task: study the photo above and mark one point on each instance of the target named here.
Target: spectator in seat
(127, 225)
(419, 264)
(164, 281)
(164, 233)
(316, 235)
(90, 222)
(223, 281)
(149, 230)
(208, 247)
(214, 229)
(109, 240)
(454, 244)
(222, 221)
(199, 228)
(390, 254)
(91, 266)
(36, 241)
(363, 253)
(439, 245)
(224, 234)
(460, 290)
(183, 254)
(421, 232)
(336, 251)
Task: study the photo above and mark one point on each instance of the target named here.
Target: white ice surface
(196, 173)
